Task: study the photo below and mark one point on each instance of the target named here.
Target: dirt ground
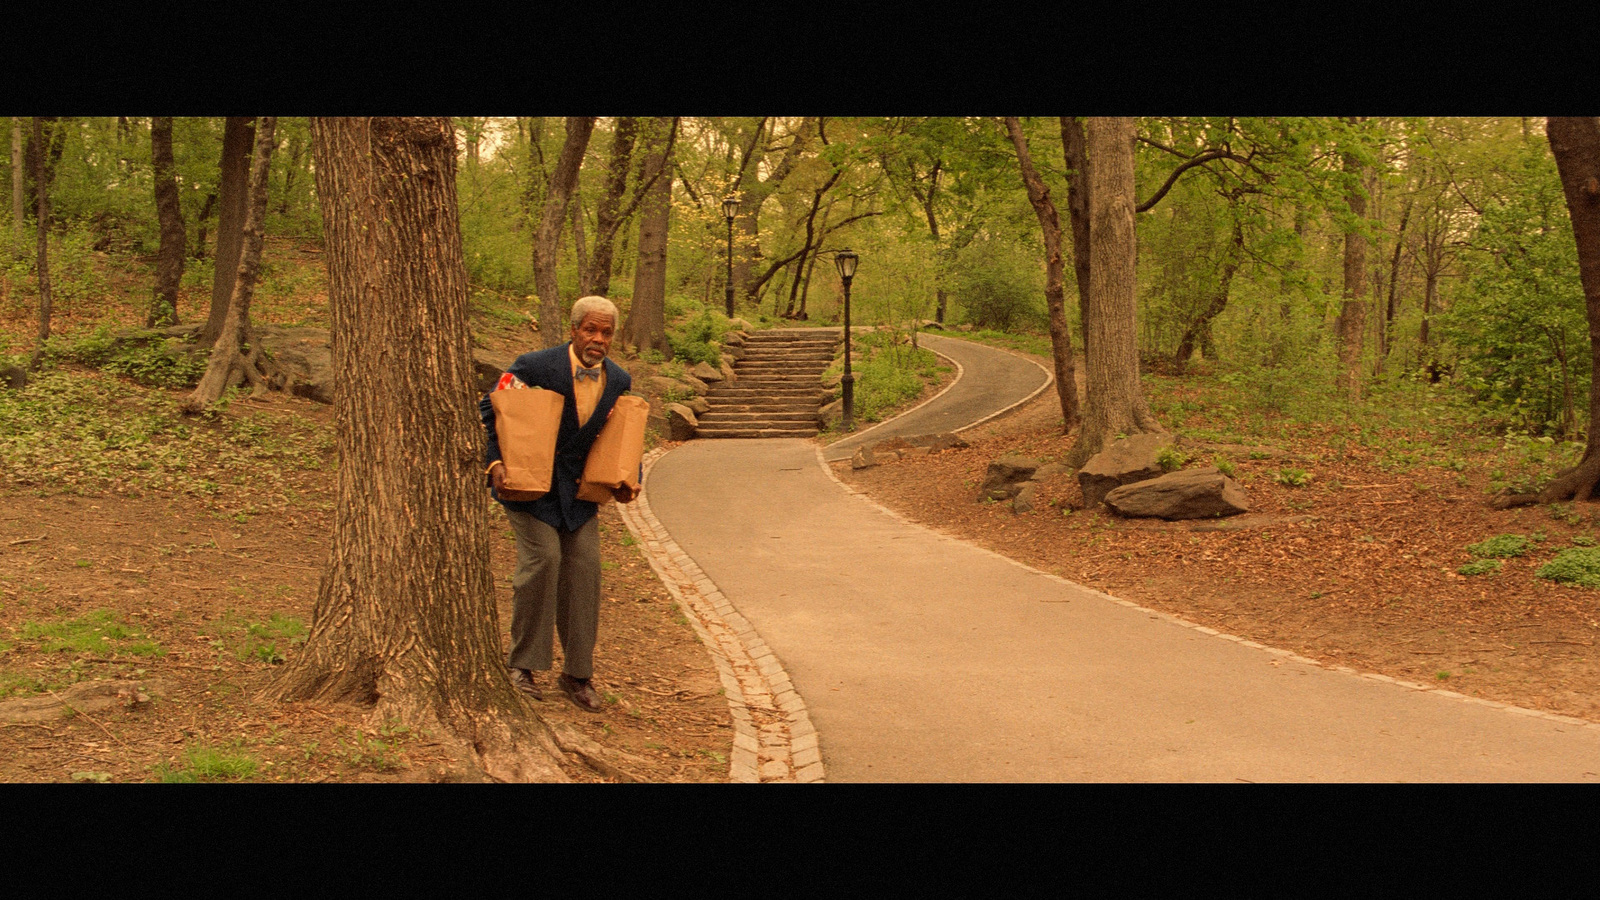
(207, 608)
(1356, 568)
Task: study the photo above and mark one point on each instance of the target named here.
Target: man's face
(591, 338)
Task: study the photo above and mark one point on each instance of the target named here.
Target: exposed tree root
(1577, 483)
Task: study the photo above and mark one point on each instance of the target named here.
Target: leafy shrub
(697, 340)
(1171, 459)
(1292, 477)
(154, 363)
(1579, 565)
(1224, 465)
(1503, 546)
(1481, 567)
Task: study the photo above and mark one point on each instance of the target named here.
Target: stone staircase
(776, 391)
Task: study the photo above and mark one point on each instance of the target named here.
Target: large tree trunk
(233, 190)
(1115, 401)
(753, 191)
(1075, 151)
(41, 191)
(1575, 142)
(169, 212)
(562, 181)
(405, 617)
(231, 359)
(1353, 313)
(1055, 277)
(646, 326)
(597, 277)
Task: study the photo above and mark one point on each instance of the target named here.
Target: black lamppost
(846, 261)
(730, 206)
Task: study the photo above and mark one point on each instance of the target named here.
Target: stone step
(729, 416)
(745, 395)
(743, 432)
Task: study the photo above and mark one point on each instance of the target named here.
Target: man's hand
(623, 493)
(497, 476)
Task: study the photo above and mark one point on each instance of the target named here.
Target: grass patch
(96, 632)
(205, 762)
(1481, 567)
(259, 641)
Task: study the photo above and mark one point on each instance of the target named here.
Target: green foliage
(258, 641)
(999, 285)
(1521, 325)
(1481, 567)
(1292, 477)
(1224, 465)
(889, 376)
(1579, 565)
(1503, 546)
(699, 339)
(1171, 459)
(163, 363)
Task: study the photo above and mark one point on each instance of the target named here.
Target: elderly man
(557, 584)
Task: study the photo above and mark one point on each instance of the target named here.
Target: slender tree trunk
(562, 181)
(1353, 314)
(18, 197)
(646, 325)
(41, 192)
(1115, 402)
(597, 277)
(1394, 279)
(1575, 143)
(200, 225)
(1075, 150)
(579, 245)
(1200, 328)
(233, 190)
(231, 359)
(405, 617)
(1054, 282)
(169, 211)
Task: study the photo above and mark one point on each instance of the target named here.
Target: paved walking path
(877, 650)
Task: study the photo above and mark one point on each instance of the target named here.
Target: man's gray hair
(594, 304)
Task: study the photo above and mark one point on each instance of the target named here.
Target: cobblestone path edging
(773, 738)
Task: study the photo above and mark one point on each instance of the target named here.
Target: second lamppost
(730, 206)
(846, 261)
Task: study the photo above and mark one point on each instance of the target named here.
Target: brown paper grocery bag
(614, 458)
(526, 421)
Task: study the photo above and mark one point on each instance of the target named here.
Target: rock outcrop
(1126, 461)
(1191, 494)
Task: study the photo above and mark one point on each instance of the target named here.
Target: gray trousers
(556, 590)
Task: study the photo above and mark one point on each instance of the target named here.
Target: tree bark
(405, 618)
(1076, 153)
(1115, 403)
(18, 197)
(232, 359)
(753, 191)
(646, 325)
(1353, 313)
(41, 192)
(1385, 335)
(1055, 276)
(1575, 143)
(233, 189)
(1200, 327)
(169, 212)
(597, 277)
(559, 193)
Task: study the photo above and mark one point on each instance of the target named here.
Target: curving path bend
(854, 640)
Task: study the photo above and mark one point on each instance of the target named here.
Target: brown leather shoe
(522, 680)
(580, 693)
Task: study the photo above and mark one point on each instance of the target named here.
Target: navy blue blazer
(552, 370)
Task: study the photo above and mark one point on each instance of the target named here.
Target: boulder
(741, 325)
(704, 372)
(1190, 494)
(1049, 470)
(931, 325)
(660, 385)
(832, 415)
(937, 442)
(1005, 476)
(863, 458)
(734, 352)
(1126, 461)
(733, 339)
(727, 373)
(306, 360)
(681, 422)
(694, 384)
(698, 405)
(832, 381)
(1023, 502)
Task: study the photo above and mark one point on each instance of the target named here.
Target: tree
(556, 197)
(1114, 401)
(169, 211)
(1575, 143)
(233, 189)
(18, 196)
(596, 277)
(645, 328)
(233, 357)
(1054, 286)
(405, 619)
(41, 191)
(753, 191)
(1353, 312)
